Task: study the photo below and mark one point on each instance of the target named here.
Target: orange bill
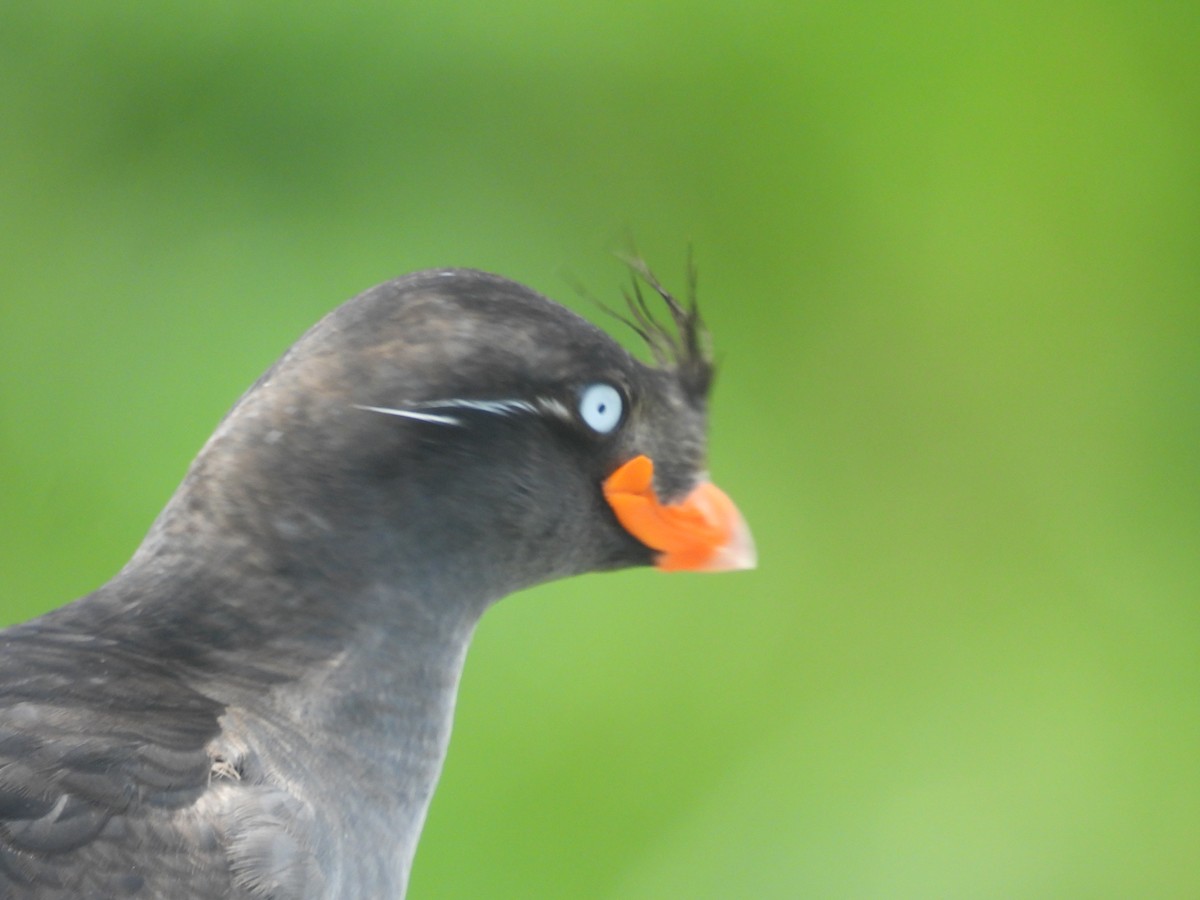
(704, 532)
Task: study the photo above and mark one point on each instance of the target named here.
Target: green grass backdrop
(950, 254)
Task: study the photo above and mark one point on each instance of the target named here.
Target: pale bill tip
(736, 554)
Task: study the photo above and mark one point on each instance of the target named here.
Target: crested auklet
(259, 703)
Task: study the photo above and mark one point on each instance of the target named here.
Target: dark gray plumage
(258, 704)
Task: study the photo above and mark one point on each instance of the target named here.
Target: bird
(258, 704)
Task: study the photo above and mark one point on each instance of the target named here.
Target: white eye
(601, 406)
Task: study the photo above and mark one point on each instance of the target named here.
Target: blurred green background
(950, 256)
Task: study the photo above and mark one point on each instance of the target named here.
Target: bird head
(453, 424)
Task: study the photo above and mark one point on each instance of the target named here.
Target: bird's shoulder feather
(111, 786)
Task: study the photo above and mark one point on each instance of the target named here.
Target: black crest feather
(683, 345)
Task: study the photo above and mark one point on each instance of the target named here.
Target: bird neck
(368, 678)
(382, 708)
